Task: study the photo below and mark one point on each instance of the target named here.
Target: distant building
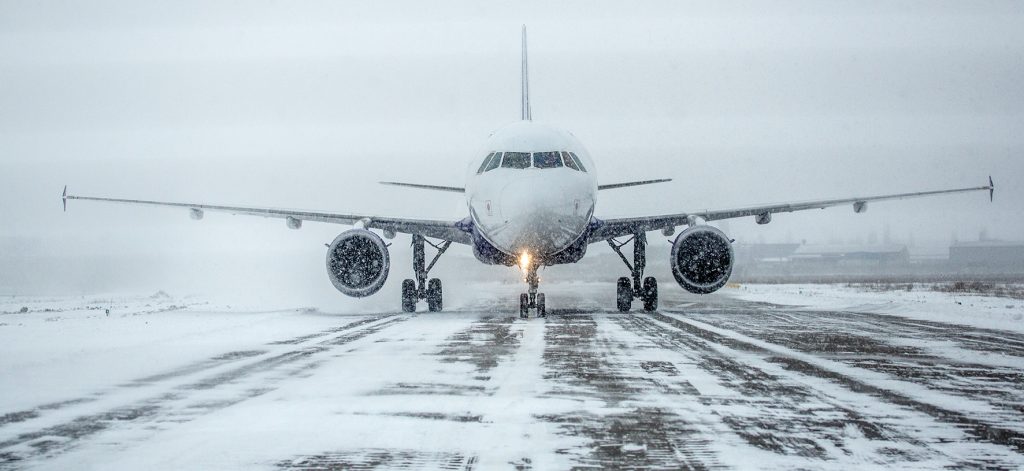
(841, 255)
(764, 253)
(987, 254)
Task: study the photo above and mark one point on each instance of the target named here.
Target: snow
(986, 312)
(173, 382)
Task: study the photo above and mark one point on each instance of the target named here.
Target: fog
(309, 104)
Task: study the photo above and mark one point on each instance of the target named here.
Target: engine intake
(358, 262)
(702, 259)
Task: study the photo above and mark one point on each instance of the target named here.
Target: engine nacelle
(702, 259)
(358, 262)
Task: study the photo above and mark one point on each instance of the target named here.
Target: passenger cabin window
(493, 164)
(487, 160)
(516, 160)
(578, 162)
(568, 161)
(547, 159)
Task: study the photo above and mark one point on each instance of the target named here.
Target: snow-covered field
(720, 381)
(921, 302)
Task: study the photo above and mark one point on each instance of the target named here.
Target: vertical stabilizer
(527, 114)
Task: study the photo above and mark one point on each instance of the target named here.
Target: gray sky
(307, 104)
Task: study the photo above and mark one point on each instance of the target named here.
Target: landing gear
(636, 286)
(409, 297)
(624, 294)
(650, 294)
(420, 288)
(434, 295)
(532, 299)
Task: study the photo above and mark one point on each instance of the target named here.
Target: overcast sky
(308, 104)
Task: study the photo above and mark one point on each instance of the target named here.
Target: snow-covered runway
(705, 382)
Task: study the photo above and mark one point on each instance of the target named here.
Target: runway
(704, 383)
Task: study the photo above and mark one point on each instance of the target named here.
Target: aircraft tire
(650, 294)
(434, 295)
(624, 294)
(524, 306)
(408, 295)
(541, 307)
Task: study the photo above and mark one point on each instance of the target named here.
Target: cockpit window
(578, 162)
(568, 161)
(487, 160)
(516, 160)
(495, 161)
(547, 159)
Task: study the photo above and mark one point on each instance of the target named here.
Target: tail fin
(527, 114)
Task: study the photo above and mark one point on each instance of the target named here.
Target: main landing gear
(420, 288)
(645, 289)
(532, 299)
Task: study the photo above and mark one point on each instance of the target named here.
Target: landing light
(524, 261)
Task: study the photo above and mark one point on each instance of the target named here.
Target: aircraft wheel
(524, 306)
(409, 296)
(650, 294)
(434, 295)
(541, 308)
(624, 292)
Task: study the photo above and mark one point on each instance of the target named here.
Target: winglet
(527, 114)
(991, 189)
(64, 198)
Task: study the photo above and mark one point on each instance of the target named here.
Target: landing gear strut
(532, 299)
(421, 288)
(636, 286)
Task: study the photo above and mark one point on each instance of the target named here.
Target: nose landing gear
(532, 299)
(645, 289)
(421, 288)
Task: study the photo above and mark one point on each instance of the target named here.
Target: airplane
(530, 197)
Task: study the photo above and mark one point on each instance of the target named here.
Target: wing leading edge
(455, 231)
(612, 186)
(626, 226)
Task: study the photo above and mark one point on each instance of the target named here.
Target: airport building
(987, 254)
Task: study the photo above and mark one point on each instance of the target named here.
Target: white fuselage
(539, 211)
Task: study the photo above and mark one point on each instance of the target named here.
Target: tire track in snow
(804, 365)
(900, 349)
(585, 362)
(174, 406)
(488, 344)
(781, 417)
(174, 373)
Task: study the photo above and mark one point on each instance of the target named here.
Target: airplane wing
(454, 231)
(453, 189)
(612, 186)
(610, 228)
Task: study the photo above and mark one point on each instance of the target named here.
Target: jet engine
(702, 259)
(358, 262)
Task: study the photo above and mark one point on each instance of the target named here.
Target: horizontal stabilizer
(453, 189)
(625, 184)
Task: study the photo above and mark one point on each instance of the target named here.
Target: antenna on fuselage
(527, 115)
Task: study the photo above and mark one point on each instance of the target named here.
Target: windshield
(487, 160)
(521, 160)
(568, 161)
(516, 160)
(493, 164)
(577, 161)
(547, 159)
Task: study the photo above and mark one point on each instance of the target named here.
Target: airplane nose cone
(540, 218)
